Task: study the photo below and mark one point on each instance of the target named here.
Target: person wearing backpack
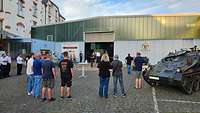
(66, 72)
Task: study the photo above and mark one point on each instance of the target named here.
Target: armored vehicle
(179, 68)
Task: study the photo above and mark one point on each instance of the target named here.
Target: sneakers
(69, 96)
(51, 99)
(29, 94)
(114, 95)
(124, 95)
(43, 99)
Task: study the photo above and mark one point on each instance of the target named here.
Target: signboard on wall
(145, 46)
(72, 50)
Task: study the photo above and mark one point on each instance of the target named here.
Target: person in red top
(66, 72)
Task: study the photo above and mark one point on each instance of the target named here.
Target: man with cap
(117, 75)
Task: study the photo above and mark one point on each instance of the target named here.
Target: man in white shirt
(8, 58)
(98, 55)
(29, 72)
(19, 64)
(4, 63)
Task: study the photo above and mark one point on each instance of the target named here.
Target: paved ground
(13, 98)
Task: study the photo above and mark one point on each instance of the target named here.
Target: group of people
(5, 64)
(116, 65)
(41, 74)
(136, 65)
(93, 57)
(104, 75)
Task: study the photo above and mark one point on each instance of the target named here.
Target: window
(35, 9)
(49, 37)
(20, 8)
(20, 28)
(50, 8)
(1, 5)
(49, 19)
(34, 23)
(56, 16)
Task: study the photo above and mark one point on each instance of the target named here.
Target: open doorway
(99, 47)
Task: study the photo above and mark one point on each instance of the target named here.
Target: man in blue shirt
(138, 70)
(37, 72)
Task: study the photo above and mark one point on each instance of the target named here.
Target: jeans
(30, 83)
(129, 69)
(103, 89)
(37, 85)
(115, 79)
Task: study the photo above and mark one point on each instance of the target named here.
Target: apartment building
(16, 19)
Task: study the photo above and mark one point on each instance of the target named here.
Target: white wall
(157, 48)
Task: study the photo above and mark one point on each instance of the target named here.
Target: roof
(78, 20)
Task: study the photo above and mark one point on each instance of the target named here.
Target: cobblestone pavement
(13, 97)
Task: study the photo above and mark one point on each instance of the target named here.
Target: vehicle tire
(187, 85)
(196, 85)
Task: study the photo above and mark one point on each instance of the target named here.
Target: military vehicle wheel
(196, 85)
(188, 86)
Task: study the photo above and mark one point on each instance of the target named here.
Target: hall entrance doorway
(99, 42)
(100, 47)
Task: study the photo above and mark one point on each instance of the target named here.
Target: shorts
(138, 74)
(49, 83)
(66, 80)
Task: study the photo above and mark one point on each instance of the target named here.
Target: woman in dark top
(104, 75)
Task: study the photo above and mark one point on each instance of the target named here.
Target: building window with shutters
(50, 8)
(21, 8)
(56, 16)
(34, 9)
(49, 19)
(1, 5)
(20, 28)
(34, 23)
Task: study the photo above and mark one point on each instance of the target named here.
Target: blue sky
(76, 9)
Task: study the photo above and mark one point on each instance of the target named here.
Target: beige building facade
(16, 19)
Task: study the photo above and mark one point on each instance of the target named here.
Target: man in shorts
(138, 70)
(48, 77)
(66, 72)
